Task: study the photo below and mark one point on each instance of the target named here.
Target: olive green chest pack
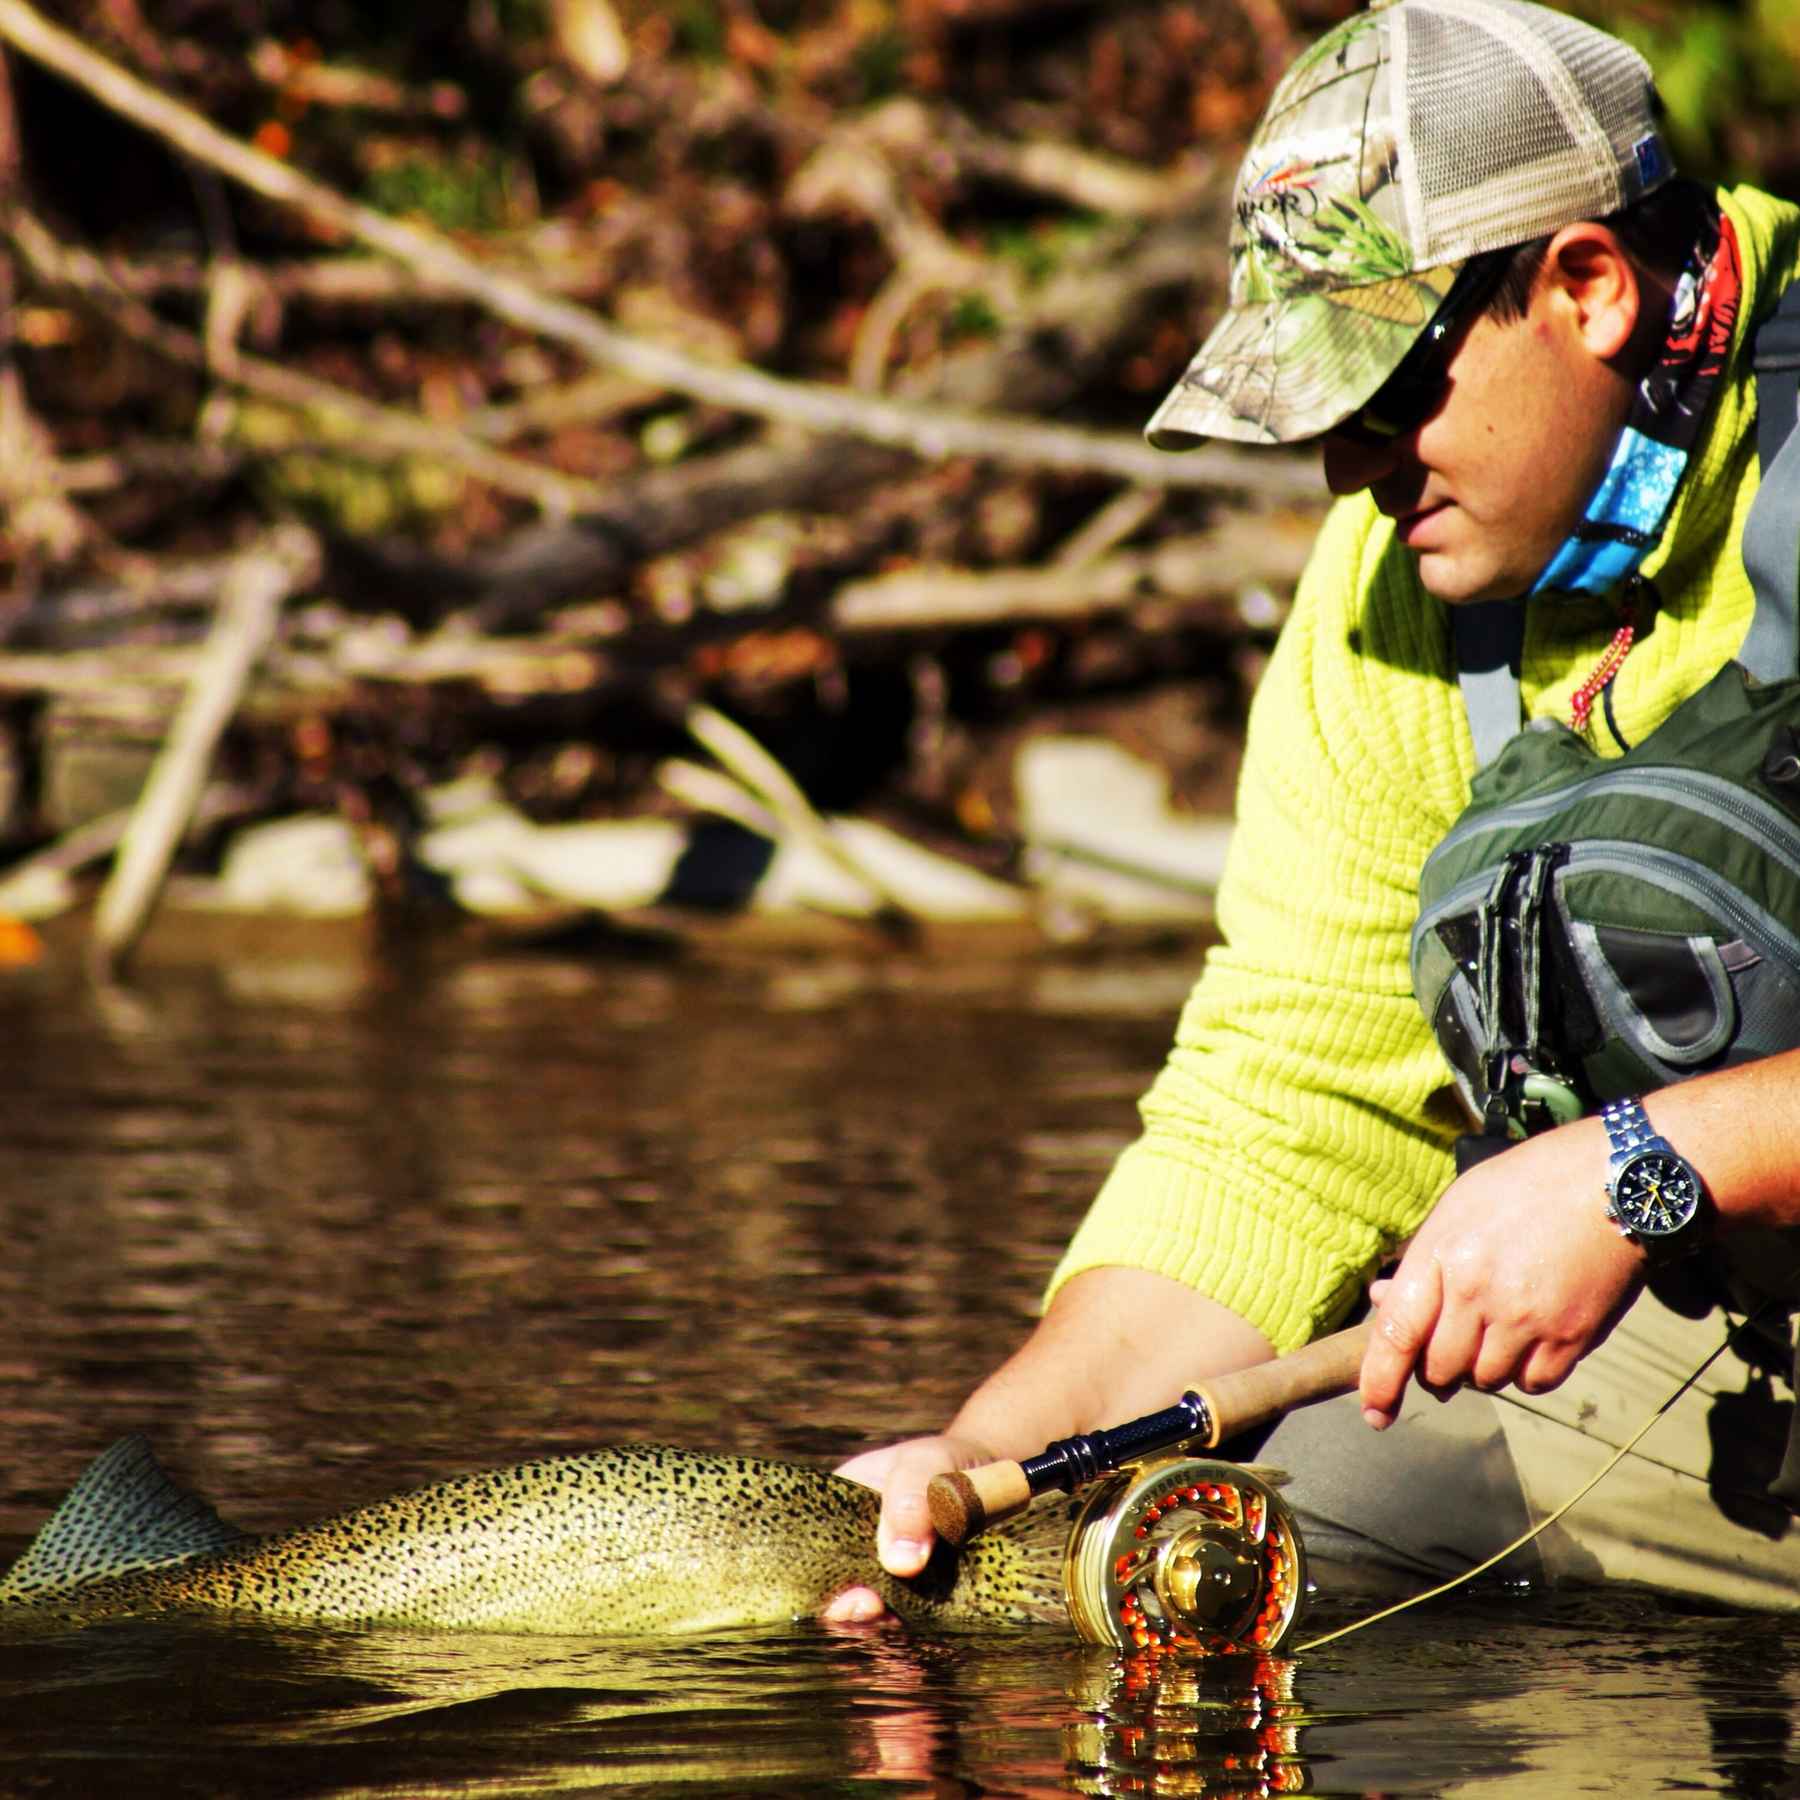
(1594, 927)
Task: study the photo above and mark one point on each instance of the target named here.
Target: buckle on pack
(1523, 1100)
(1523, 1096)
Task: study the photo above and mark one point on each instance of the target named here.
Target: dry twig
(929, 432)
(367, 429)
(258, 584)
(1238, 553)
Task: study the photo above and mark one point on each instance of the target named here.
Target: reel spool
(1176, 1552)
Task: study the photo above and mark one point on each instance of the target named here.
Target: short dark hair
(1657, 231)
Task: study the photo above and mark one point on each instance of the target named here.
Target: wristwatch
(1655, 1197)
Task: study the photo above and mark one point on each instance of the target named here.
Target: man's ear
(1592, 285)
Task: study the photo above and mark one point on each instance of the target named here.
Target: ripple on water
(323, 1232)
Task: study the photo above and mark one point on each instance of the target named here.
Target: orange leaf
(19, 944)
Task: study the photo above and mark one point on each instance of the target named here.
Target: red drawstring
(1604, 670)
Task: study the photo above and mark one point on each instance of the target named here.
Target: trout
(629, 1541)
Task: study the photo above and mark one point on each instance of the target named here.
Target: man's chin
(1451, 580)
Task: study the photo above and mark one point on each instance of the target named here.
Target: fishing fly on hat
(1409, 138)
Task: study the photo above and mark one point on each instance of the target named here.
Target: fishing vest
(1594, 927)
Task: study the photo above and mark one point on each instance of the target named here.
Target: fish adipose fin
(124, 1513)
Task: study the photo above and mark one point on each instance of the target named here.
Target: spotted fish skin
(634, 1540)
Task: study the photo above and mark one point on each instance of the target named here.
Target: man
(1462, 263)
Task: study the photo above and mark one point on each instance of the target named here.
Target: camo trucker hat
(1409, 138)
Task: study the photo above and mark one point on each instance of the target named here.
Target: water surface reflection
(323, 1227)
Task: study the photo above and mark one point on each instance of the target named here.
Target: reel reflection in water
(1227, 1728)
(1181, 1553)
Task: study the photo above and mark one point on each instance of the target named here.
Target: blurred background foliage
(489, 112)
(1005, 204)
(672, 142)
(1729, 72)
(844, 190)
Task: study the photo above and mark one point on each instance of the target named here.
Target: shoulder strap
(1488, 638)
(1771, 652)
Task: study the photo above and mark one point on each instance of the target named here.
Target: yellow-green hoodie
(1301, 1126)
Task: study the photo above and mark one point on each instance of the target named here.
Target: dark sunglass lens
(1407, 398)
(1414, 391)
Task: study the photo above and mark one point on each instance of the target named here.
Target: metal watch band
(1627, 1125)
(1629, 1131)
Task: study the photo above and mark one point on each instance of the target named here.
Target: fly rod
(967, 1501)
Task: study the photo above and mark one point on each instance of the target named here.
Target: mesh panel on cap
(1456, 143)
(1518, 120)
(1492, 149)
(1614, 85)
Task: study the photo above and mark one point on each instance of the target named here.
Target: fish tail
(124, 1513)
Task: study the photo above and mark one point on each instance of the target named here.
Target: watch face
(1655, 1195)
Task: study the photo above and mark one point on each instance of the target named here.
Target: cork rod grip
(1321, 1370)
(966, 1501)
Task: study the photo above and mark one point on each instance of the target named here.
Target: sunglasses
(1416, 388)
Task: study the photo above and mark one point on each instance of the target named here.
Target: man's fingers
(900, 1472)
(1546, 1366)
(903, 1542)
(1448, 1356)
(903, 1472)
(854, 1606)
(904, 1539)
(1505, 1355)
(1403, 1327)
(903, 1535)
(870, 1467)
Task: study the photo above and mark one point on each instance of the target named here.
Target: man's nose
(1355, 460)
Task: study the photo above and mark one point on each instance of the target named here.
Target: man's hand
(1514, 1277)
(900, 1473)
(1115, 1343)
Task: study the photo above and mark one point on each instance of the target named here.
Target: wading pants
(1450, 1483)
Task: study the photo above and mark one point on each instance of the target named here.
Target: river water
(324, 1222)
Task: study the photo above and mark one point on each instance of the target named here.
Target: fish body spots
(639, 1539)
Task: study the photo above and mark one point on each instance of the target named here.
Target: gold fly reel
(1180, 1553)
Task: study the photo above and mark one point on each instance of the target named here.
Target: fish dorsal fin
(124, 1513)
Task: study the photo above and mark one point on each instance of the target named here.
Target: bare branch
(370, 430)
(923, 431)
(1238, 553)
(249, 609)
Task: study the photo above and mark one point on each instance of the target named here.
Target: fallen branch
(1204, 571)
(592, 398)
(1239, 553)
(559, 261)
(303, 81)
(1077, 320)
(44, 881)
(365, 429)
(1081, 178)
(261, 581)
(771, 786)
(922, 431)
(181, 461)
(1126, 512)
(93, 609)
